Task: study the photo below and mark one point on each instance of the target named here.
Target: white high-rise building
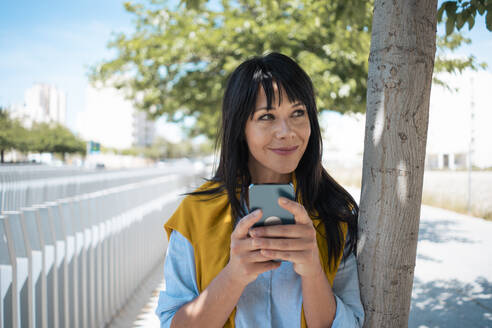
(112, 120)
(45, 103)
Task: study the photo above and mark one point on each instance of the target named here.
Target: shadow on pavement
(451, 304)
(428, 258)
(441, 231)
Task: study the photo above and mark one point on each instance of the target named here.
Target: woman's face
(276, 138)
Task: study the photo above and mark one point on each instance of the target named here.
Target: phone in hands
(265, 197)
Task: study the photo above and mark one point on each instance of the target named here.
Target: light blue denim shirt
(274, 299)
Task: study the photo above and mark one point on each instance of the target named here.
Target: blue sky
(55, 42)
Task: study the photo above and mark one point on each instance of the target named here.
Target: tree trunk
(401, 62)
(1, 155)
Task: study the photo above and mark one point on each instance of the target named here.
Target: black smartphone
(265, 197)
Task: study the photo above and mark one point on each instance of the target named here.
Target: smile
(284, 150)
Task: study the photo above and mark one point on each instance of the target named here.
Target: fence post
(6, 281)
(35, 266)
(81, 259)
(49, 281)
(61, 296)
(18, 256)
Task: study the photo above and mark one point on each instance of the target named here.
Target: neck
(262, 175)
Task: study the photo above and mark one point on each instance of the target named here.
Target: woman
(219, 269)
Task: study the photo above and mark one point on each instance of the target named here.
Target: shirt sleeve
(180, 278)
(350, 312)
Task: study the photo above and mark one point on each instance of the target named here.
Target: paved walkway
(139, 312)
(452, 284)
(453, 275)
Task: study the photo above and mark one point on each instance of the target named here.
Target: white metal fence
(75, 261)
(30, 185)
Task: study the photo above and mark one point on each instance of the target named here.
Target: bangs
(286, 78)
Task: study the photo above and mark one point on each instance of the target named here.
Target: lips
(284, 150)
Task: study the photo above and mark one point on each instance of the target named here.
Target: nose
(283, 129)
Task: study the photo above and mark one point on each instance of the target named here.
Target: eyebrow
(293, 106)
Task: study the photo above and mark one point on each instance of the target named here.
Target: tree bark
(1, 155)
(401, 63)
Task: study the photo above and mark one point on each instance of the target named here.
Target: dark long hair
(320, 194)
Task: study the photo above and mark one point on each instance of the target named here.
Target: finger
(256, 257)
(283, 244)
(283, 230)
(240, 246)
(241, 230)
(300, 214)
(291, 256)
(266, 266)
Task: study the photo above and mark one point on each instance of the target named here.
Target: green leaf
(488, 20)
(451, 8)
(471, 22)
(480, 8)
(440, 12)
(191, 4)
(450, 24)
(460, 21)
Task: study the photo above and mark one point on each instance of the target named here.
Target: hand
(291, 242)
(246, 261)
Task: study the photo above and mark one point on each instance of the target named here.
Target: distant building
(42, 103)
(143, 129)
(451, 160)
(113, 121)
(459, 122)
(459, 126)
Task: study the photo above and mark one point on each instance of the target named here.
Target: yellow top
(207, 224)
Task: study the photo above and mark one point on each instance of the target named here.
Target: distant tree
(162, 149)
(55, 138)
(12, 134)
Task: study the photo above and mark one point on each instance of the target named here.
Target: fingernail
(283, 201)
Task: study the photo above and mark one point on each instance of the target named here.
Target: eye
(299, 113)
(266, 117)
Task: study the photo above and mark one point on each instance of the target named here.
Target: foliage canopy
(460, 12)
(176, 62)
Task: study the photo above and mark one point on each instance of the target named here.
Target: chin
(285, 169)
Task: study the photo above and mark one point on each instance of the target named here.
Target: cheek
(255, 138)
(305, 133)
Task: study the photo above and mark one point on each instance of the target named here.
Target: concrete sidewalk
(139, 311)
(452, 284)
(453, 275)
